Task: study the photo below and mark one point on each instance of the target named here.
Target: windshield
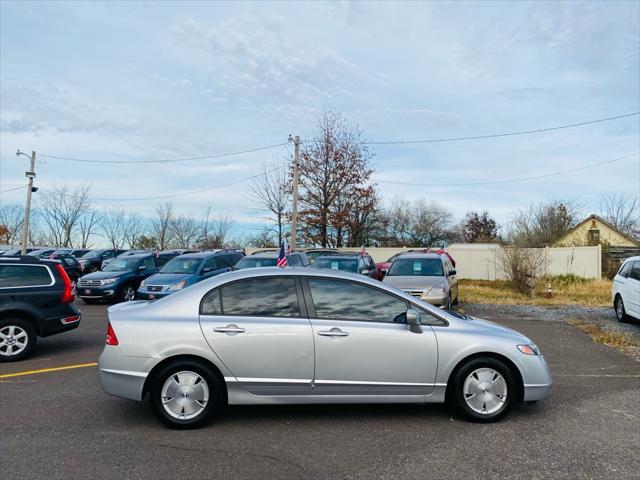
(182, 265)
(345, 264)
(417, 267)
(122, 265)
(248, 262)
(92, 254)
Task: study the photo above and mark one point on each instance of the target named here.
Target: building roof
(593, 216)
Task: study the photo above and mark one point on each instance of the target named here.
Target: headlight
(436, 290)
(529, 349)
(142, 284)
(178, 286)
(107, 281)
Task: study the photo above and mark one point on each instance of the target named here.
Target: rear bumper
(61, 323)
(121, 375)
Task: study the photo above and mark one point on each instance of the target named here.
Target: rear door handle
(334, 332)
(229, 329)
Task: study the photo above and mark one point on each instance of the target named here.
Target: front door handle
(230, 329)
(334, 332)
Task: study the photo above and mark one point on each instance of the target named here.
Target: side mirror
(413, 319)
(365, 271)
(384, 271)
(452, 272)
(142, 267)
(206, 270)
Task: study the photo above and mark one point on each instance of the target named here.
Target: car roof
(28, 259)
(350, 256)
(263, 255)
(420, 255)
(200, 254)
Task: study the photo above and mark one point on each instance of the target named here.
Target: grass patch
(566, 290)
(606, 335)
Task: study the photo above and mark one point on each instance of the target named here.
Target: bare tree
(332, 166)
(112, 226)
(216, 231)
(160, 225)
(11, 218)
(521, 266)
(134, 228)
(271, 192)
(418, 223)
(86, 227)
(622, 211)
(185, 231)
(542, 224)
(61, 209)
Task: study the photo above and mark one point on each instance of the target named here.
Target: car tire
(621, 313)
(483, 390)
(448, 307)
(18, 338)
(456, 300)
(194, 407)
(128, 293)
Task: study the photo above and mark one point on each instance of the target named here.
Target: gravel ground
(604, 316)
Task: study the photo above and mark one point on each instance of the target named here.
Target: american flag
(282, 256)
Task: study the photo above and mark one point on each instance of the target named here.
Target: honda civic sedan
(302, 336)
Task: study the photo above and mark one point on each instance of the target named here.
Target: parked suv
(70, 264)
(125, 253)
(348, 262)
(185, 270)
(92, 261)
(36, 300)
(269, 259)
(121, 278)
(429, 276)
(625, 291)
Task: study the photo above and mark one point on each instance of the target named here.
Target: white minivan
(625, 291)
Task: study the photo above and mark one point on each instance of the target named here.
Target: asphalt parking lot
(59, 424)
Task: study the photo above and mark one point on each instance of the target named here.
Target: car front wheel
(128, 293)
(186, 394)
(621, 313)
(484, 390)
(17, 339)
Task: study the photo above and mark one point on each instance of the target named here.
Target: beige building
(595, 231)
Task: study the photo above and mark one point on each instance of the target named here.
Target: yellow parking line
(46, 370)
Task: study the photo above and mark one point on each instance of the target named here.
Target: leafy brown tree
(479, 228)
(334, 168)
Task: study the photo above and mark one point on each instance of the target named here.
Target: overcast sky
(149, 80)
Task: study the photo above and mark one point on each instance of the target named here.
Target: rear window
(345, 264)
(249, 262)
(12, 276)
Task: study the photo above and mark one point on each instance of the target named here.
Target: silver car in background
(429, 276)
(302, 336)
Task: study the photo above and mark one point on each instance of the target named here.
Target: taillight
(111, 335)
(67, 295)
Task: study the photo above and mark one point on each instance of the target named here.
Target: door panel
(631, 292)
(374, 359)
(272, 356)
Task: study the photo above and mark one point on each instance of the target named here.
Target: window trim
(314, 316)
(302, 307)
(53, 281)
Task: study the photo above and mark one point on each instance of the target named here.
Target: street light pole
(27, 208)
(294, 199)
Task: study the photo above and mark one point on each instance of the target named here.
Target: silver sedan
(292, 336)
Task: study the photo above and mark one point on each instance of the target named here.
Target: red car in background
(383, 267)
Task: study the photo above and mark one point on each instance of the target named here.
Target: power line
(390, 142)
(168, 160)
(13, 189)
(497, 135)
(510, 180)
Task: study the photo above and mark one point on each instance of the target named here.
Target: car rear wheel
(17, 339)
(621, 313)
(186, 394)
(484, 390)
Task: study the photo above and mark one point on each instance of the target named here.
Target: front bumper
(106, 292)
(536, 377)
(441, 301)
(144, 295)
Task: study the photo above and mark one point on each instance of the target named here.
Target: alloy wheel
(184, 395)
(485, 391)
(620, 313)
(129, 294)
(13, 340)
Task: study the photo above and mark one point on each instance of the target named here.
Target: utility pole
(294, 200)
(27, 208)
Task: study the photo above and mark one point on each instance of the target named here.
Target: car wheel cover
(619, 308)
(129, 294)
(13, 340)
(485, 391)
(184, 395)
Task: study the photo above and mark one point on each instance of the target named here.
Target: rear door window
(13, 276)
(254, 297)
(211, 264)
(625, 270)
